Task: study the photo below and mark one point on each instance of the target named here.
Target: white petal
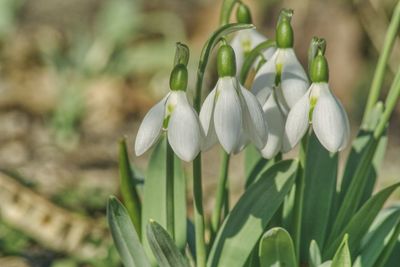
(294, 81)
(297, 121)
(264, 81)
(207, 121)
(228, 115)
(243, 42)
(151, 126)
(184, 130)
(330, 122)
(276, 127)
(253, 118)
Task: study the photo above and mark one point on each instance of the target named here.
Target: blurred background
(76, 76)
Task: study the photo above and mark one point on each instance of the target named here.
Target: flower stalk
(221, 195)
(170, 191)
(377, 81)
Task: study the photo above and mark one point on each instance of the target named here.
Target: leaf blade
(248, 219)
(124, 235)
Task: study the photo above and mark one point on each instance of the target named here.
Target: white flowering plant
(293, 212)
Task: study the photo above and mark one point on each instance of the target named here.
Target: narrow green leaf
(361, 168)
(315, 255)
(320, 187)
(342, 256)
(154, 196)
(358, 226)
(163, 247)
(124, 235)
(377, 237)
(128, 188)
(394, 258)
(255, 165)
(388, 249)
(276, 249)
(248, 219)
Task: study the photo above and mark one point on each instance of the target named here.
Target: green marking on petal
(313, 102)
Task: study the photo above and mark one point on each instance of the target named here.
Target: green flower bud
(284, 30)
(243, 14)
(179, 78)
(319, 71)
(226, 61)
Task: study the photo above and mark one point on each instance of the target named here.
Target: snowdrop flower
(245, 40)
(231, 114)
(177, 117)
(320, 108)
(278, 85)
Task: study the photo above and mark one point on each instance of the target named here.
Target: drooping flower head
(176, 116)
(231, 114)
(320, 108)
(279, 84)
(245, 40)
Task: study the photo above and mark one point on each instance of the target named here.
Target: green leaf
(248, 219)
(255, 166)
(154, 196)
(276, 249)
(385, 255)
(315, 255)
(377, 237)
(359, 224)
(124, 235)
(342, 256)
(163, 247)
(326, 264)
(320, 187)
(361, 169)
(128, 187)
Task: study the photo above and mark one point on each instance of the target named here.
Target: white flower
(284, 74)
(278, 85)
(244, 41)
(273, 115)
(328, 117)
(232, 115)
(175, 115)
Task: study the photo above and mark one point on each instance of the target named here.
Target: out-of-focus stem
(379, 74)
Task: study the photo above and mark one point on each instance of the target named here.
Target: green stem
(252, 57)
(198, 213)
(390, 104)
(299, 196)
(221, 191)
(226, 11)
(170, 191)
(379, 74)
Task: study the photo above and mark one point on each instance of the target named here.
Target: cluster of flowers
(274, 115)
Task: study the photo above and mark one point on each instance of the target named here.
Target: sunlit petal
(151, 126)
(297, 121)
(228, 115)
(207, 121)
(276, 127)
(330, 122)
(243, 42)
(264, 81)
(294, 81)
(184, 130)
(253, 119)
